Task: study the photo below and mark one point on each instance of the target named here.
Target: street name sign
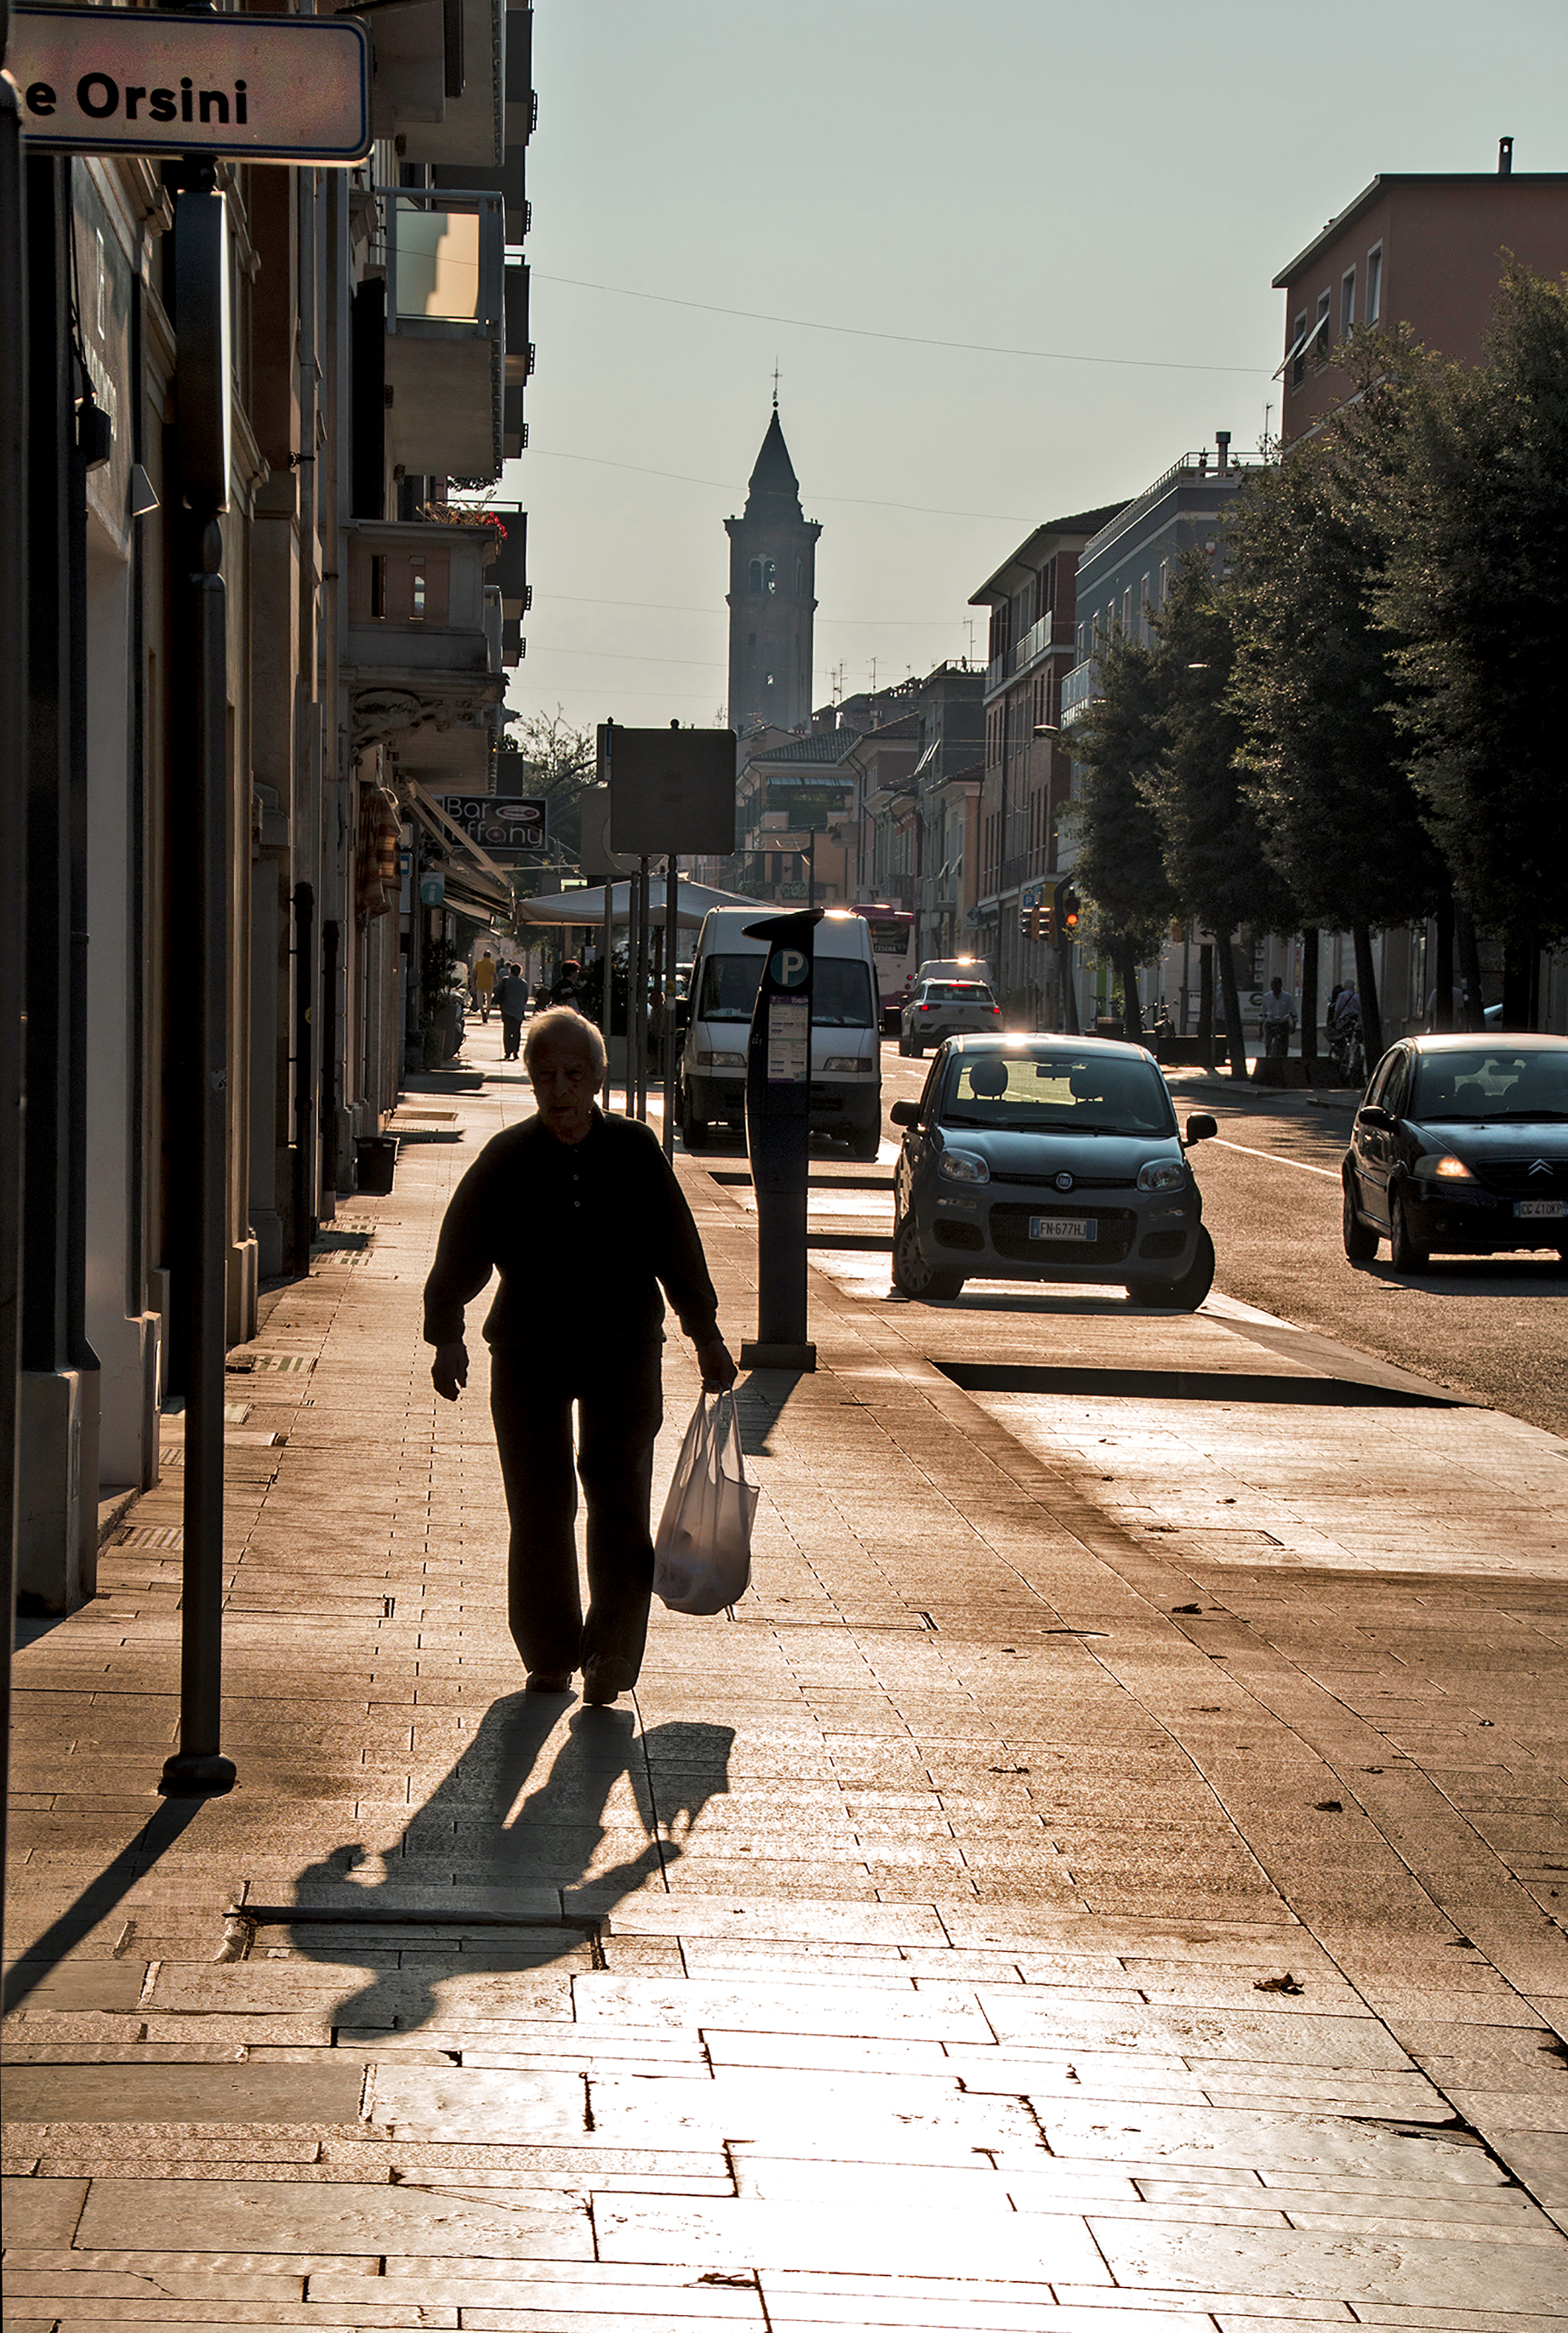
(140, 80)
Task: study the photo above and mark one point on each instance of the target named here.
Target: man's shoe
(548, 1681)
(606, 1677)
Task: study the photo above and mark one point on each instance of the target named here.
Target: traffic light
(1048, 913)
(1066, 912)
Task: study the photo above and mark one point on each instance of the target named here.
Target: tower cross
(776, 384)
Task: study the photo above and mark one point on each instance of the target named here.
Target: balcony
(1079, 687)
(445, 258)
(442, 80)
(1037, 642)
(424, 667)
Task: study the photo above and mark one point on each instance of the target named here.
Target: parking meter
(778, 1104)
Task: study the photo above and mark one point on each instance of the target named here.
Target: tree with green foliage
(1212, 846)
(1120, 864)
(560, 761)
(1471, 465)
(1337, 814)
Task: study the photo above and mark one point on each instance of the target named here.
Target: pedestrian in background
(1276, 1017)
(567, 987)
(511, 999)
(584, 1219)
(485, 984)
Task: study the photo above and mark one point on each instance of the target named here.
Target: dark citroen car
(1048, 1159)
(1460, 1147)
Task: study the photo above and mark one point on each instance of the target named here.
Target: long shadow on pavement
(473, 1834)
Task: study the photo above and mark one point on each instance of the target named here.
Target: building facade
(1423, 249)
(1033, 603)
(377, 353)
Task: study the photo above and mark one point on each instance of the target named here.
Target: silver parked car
(1036, 1157)
(946, 1008)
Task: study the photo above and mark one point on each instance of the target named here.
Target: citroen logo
(1538, 1167)
(1063, 1182)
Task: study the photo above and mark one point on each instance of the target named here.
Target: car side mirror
(1201, 1128)
(906, 1113)
(1376, 1117)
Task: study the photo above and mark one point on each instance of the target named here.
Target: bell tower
(772, 595)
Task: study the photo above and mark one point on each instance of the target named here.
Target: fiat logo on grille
(1063, 1182)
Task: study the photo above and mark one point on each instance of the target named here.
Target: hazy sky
(1095, 182)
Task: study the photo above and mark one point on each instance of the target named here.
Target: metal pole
(304, 1223)
(607, 1008)
(643, 953)
(13, 675)
(198, 1768)
(671, 950)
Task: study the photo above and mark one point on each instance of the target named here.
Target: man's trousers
(511, 1035)
(620, 1404)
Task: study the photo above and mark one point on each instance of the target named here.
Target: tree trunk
(1367, 989)
(1225, 944)
(1443, 1002)
(1519, 951)
(1132, 1017)
(1309, 995)
(1469, 964)
(1206, 1005)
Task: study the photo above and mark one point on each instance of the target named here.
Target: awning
(586, 907)
(480, 884)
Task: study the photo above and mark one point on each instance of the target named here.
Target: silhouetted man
(584, 1219)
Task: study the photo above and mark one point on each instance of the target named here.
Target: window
(1348, 303)
(1298, 351)
(1126, 611)
(800, 578)
(1164, 581)
(762, 576)
(755, 579)
(1321, 330)
(1372, 306)
(1081, 635)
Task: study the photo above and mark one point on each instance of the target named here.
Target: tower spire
(776, 384)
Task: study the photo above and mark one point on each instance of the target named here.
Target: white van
(846, 1045)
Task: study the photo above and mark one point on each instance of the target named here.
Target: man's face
(1276, 984)
(561, 1074)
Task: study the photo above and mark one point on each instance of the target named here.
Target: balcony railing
(1037, 642)
(444, 251)
(1079, 687)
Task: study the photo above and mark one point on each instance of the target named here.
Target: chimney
(1222, 439)
(1504, 158)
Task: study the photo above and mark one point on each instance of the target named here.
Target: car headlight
(721, 1061)
(1442, 1167)
(847, 1061)
(1161, 1174)
(962, 1167)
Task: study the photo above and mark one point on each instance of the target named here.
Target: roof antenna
(1504, 158)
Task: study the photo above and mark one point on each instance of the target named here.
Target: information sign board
(670, 790)
(143, 81)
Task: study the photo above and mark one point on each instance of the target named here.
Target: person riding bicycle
(1276, 1019)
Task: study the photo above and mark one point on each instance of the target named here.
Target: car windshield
(956, 992)
(1485, 1082)
(840, 991)
(1061, 1091)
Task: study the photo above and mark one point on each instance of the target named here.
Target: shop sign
(141, 81)
(497, 822)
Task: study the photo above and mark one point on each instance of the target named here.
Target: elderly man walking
(584, 1219)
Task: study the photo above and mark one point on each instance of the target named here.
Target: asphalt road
(1492, 1329)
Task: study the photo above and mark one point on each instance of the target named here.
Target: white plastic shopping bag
(702, 1555)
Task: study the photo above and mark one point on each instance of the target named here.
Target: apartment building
(1032, 602)
(1421, 248)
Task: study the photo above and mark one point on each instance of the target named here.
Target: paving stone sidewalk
(1107, 1876)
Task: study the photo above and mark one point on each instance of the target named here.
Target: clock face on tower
(772, 596)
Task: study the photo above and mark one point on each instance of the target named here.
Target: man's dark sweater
(582, 1234)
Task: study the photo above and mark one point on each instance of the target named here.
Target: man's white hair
(571, 1028)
